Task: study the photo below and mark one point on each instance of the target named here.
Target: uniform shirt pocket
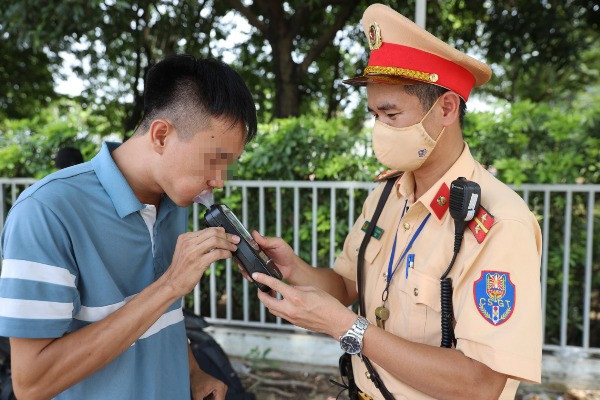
(373, 248)
(424, 308)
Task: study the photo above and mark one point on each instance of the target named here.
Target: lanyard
(391, 271)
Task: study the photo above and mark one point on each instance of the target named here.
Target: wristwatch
(351, 341)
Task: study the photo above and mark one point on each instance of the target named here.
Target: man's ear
(450, 103)
(159, 130)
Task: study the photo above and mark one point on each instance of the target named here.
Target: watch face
(350, 344)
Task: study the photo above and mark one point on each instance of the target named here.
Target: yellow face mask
(404, 149)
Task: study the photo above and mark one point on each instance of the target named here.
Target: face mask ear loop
(423, 119)
(441, 134)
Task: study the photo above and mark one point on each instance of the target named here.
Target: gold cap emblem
(374, 36)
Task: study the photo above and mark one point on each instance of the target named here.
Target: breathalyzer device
(248, 254)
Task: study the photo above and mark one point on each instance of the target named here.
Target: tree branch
(253, 19)
(327, 37)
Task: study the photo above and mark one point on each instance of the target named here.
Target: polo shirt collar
(437, 198)
(113, 181)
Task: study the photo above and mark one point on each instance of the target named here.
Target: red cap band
(449, 75)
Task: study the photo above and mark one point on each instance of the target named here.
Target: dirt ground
(277, 381)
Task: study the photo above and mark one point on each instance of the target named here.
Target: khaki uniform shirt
(496, 283)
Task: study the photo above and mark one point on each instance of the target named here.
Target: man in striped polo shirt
(96, 257)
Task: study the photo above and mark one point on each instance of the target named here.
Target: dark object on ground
(212, 359)
(6, 390)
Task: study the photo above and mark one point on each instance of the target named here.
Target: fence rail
(314, 217)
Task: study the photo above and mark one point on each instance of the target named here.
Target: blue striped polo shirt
(77, 246)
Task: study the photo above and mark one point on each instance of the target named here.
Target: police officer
(417, 87)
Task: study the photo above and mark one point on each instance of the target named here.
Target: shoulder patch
(481, 224)
(495, 296)
(390, 173)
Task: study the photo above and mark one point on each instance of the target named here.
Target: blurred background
(72, 74)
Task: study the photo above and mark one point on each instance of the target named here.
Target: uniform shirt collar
(113, 181)
(437, 198)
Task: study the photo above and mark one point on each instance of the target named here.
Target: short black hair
(428, 94)
(67, 157)
(188, 91)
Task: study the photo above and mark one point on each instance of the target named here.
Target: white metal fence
(313, 217)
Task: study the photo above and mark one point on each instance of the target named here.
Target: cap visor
(377, 78)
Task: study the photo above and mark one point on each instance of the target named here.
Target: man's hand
(204, 386)
(307, 307)
(194, 253)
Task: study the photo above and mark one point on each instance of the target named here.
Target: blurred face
(391, 105)
(191, 165)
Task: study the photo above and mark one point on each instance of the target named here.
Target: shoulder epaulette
(481, 224)
(390, 173)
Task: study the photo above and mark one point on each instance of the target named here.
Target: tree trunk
(287, 98)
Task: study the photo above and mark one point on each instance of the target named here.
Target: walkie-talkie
(465, 197)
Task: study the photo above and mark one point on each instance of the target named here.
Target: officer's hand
(280, 252)
(194, 252)
(306, 306)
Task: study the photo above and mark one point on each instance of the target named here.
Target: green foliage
(25, 81)
(539, 142)
(308, 148)
(259, 359)
(28, 146)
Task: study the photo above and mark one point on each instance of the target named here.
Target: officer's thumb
(264, 241)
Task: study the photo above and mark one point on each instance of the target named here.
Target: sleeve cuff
(33, 328)
(521, 368)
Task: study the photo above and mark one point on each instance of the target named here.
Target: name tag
(377, 232)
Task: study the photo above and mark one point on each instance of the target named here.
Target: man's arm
(440, 373)
(42, 368)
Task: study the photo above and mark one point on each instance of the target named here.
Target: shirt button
(416, 291)
(406, 226)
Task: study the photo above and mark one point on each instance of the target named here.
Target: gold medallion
(374, 36)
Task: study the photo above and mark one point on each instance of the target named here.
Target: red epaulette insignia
(439, 204)
(481, 224)
(390, 173)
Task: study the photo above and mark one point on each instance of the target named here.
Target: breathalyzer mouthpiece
(205, 197)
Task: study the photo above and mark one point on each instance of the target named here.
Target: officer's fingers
(273, 283)
(273, 304)
(267, 242)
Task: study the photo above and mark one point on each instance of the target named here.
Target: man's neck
(134, 168)
(431, 172)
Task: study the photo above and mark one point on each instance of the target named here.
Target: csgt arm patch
(495, 296)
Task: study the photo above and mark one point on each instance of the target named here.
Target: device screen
(244, 232)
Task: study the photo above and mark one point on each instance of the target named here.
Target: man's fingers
(213, 243)
(243, 271)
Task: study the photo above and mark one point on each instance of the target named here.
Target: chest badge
(494, 296)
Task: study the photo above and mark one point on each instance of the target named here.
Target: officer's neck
(440, 161)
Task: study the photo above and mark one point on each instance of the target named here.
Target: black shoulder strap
(373, 375)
